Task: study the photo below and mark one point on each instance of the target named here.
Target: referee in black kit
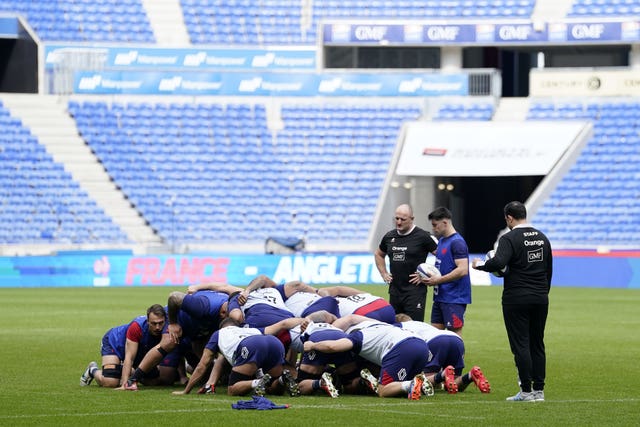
(526, 252)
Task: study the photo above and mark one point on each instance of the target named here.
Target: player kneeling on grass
(317, 370)
(400, 354)
(124, 346)
(247, 350)
(446, 362)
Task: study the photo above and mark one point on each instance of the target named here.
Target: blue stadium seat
(85, 21)
(42, 194)
(602, 180)
(270, 174)
(282, 22)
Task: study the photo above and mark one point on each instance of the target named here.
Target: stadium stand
(232, 178)
(122, 21)
(469, 111)
(597, 201)
(40, 201)
(243, 22)
(280, 22)
(235, 177)
(599, 8)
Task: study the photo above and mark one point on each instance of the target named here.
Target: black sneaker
(290, 383)
(261, 388)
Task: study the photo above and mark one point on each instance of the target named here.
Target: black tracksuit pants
(525, 325)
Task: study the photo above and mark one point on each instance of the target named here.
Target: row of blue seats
(246, 24)
(281, 23)
(217, 111)
(599, 11)
(580, 106)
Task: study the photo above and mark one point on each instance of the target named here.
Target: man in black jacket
(526, 252)
(407, 246)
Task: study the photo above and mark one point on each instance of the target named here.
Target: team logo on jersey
(398, 256)
(402, 374)
(535, 256)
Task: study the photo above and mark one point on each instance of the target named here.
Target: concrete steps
(48, 120)
(168, 30)
(512, 110)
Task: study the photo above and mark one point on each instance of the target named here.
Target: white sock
(406, 386)
(255, 383)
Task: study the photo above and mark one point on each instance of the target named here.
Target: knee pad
(112, 371)
(235, 377)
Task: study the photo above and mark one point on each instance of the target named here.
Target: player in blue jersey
(247, 350)
(446, 357)
(400, 354)
(316, 370)
(123, 347)
(452, 290)
(193, 317)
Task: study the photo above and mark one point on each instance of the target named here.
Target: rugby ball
(499, 273)
(427, 270)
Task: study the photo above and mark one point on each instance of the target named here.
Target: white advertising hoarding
(576, 82)
(485, 148)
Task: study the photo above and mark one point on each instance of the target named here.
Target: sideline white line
(227, 406)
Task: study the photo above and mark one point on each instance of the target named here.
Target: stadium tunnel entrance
(18, 58)
(476, 204)
(475, 168)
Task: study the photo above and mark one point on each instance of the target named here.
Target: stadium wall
(103, 269)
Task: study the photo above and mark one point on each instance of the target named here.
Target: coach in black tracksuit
(526, 252)
(407, 246)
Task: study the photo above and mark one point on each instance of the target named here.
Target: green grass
(47, 337)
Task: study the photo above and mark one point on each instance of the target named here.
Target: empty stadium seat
(459, 112)
(607, 8)
(85, 21)
(39, 198)
(238, 180)
(593, 204)
(285, 22)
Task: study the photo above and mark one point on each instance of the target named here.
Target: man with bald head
(407, 246)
